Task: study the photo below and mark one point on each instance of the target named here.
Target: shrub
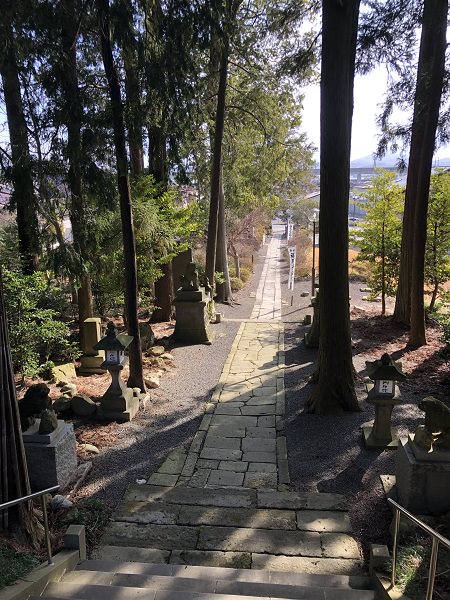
(245, 274)
(236, 284)
(36, 334)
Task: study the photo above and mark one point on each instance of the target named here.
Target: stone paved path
(225, 501)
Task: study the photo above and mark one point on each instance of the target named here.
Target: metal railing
(437, 539)
(40, 495)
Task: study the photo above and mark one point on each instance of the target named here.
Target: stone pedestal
(380, 434)
(192, 319)
(91, 359)
(118, 402)
(52, 457)
(312, 336)
(423, 484)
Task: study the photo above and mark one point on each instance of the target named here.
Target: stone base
(52, 463)
(108, 412)
(92, 364)
(422, 487)
(372, 442)
(32, 435)
(423, 455)
(192, 322)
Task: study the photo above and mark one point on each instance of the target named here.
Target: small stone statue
(190, 280)
(435, 434)
(34, 404)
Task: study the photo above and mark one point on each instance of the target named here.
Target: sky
(368, 95)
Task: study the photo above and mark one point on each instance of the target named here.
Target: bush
(245, 274)
(236, 284)
(15, 565)
(36, 335)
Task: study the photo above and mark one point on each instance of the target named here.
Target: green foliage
(9, 247)
(437, 260)
(14, 565)
(37, 333)
(379, 237)
(302, 210)
(246, 273)
(236, 284)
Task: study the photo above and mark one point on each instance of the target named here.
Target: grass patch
(413, 564)
(15, 564)
(93, 515)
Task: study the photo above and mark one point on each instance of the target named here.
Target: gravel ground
(327, 454)
(173, 414)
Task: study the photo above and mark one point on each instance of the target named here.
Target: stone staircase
(228, 544)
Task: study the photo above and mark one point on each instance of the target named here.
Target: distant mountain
(390, 160)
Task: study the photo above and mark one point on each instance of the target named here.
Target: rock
(62, 404)
(147, 336)
(36, 400)
(167, 356)
(304, 294)
(157, 350)
(83, 406)
(89, 448)
(49, 421)
(70, 389)
(59, 501)
(164, 342)
(152, 382)
(62, 374)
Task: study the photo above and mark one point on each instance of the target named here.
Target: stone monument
(422, 462)
(312, 336)
(384, 394)
(91, 358)
(191, 304)
(118, 402)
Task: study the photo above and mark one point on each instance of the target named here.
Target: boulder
(62, 404)
(70, 389)
(62, 374)
(147, 336)
(89, 448)
(59, 501)
(167, 356)
(152, 382)
(157, 350)
(83, 406)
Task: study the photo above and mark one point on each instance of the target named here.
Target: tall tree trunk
(157, 155)
(216, 167)
(23, 198)
(73, 118)
(383, 271)
(136, 378)
(335, 392)
(430, 76)
(223, 289)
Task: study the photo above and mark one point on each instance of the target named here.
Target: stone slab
(242, 517)
(262, 432)
(207, 463)
(227, 431)
(325, 521)
(163, 479)
(266, 421)
(144, 512)
(258, 445)
(163, 537)
(221, 453)
(262, 467)
(236, 560)
(189, 464)
(260, 540)
(200, 478)
(268, 409)
(233, 465)
(228, 443)
(259, 480)
(339, 545)
(231, 421)
(225, 478)
(131, 554)
(197, 441)
(265, 457)
(300, 564)
(190, 496)
(298, 500)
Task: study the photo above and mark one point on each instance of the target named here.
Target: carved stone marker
(51, 457)
(191, 305)
(91, 359)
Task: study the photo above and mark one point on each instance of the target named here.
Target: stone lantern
(118, 402)
(384, 394)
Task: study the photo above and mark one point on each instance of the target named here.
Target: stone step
(235, 498)
(228, 574)
(261, 518)
(232, 539)
(211, 585)
(239, 560)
